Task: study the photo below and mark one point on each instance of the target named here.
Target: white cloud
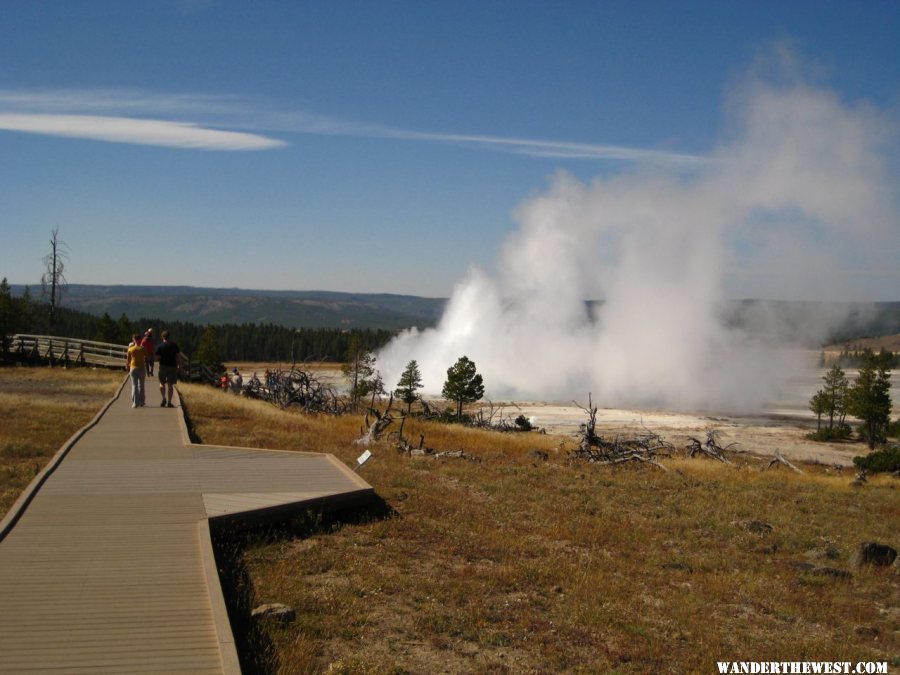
(137, 131)
(301, 122)
(554, 149)
(217, 110)
(113, 101)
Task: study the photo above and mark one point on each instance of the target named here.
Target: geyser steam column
(790, 208)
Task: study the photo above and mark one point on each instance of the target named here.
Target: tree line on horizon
(236, 342)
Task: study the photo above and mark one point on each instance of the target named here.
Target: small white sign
(362, 459)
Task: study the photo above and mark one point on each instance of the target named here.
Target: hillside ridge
(838, 321)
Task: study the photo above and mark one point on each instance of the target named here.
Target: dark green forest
(237, 342)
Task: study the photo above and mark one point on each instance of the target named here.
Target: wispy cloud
(89, 114)
(555, 149)
(301, 122)
(161, 133)
(117, 101)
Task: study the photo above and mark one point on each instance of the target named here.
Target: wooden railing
(73, 352)
(198, 372)
(67, 351)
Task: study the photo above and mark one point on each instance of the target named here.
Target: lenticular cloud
(790, 206)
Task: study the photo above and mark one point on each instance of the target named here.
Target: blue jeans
(137, 386)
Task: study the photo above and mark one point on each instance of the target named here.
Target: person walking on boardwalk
(135, 364)
(169, 356)
(149, 345)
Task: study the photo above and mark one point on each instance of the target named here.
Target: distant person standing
(135, 363)
(169, 356)
(149, 345)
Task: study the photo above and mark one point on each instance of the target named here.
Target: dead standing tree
(53, 281)
(643, 448)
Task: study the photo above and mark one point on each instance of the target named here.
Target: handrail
(65, 350)
(73, 351)
(72, 340)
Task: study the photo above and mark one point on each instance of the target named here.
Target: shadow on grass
(255, 649)
(189, 423)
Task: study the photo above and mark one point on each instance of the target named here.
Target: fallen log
(779, 459)
(710, 448)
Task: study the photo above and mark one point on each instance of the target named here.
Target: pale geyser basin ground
(780, 426)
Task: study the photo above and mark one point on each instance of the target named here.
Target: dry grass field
(41, 408)
(512, 563)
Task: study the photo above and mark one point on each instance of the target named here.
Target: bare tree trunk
(53, 277)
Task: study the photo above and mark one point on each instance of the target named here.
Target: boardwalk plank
(109, 566)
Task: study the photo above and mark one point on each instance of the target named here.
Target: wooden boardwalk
(106, 561)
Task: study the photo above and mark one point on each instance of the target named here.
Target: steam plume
(792, 205)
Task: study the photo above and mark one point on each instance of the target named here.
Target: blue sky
(368, 146)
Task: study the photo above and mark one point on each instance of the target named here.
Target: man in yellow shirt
(135, 364)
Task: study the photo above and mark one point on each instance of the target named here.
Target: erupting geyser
(787, 207)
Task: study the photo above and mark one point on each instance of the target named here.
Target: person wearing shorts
(168, 356)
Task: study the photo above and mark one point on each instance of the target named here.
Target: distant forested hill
(292, 309)
(812, 322)
(824, 322)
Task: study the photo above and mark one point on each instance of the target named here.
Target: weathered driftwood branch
(374, 429)
(645, 447)
(403, 444)
(779, 459)
(498, 420)
(296, 388)
(711, 447)
(634, 457)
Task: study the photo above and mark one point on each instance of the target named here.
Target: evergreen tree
(208, 351)
(463, 385)
(376, 387)
(123, 330)
(360, 372)
(835, 390)
(8, 316)
(869, 398)
(106, 329)
(410, 381)
(24, 313)
(819, 406)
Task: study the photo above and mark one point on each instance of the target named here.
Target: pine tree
(869, 398)
(106, 329)
(359, 370)
(463, 385)
(24, 314)
(819, 406)
(835, 390)
(208, 351)
(410, 381)
(123, 330)
(8, 318)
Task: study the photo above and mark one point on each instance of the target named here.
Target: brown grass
(41, 409)
(513, 564)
